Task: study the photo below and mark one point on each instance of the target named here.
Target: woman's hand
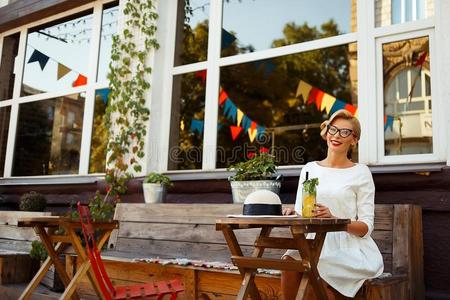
(288, 211)
(321, 211)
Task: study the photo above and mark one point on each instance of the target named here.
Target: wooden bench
(16, 265)
(188, 231)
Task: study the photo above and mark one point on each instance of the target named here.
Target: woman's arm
(358, 228)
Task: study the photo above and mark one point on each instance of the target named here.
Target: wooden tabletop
(53, 221)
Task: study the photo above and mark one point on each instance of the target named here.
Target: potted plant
(252, 175)
(155, 187)
(32, 201)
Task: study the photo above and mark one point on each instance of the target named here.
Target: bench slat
(17, 233)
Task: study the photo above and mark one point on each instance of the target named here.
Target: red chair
(157, 289)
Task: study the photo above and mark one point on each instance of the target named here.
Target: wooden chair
(156, 289)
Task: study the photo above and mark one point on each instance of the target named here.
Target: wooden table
(55, 244)
(309, 248)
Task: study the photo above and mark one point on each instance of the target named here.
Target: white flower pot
(154, 192)
(241, 189)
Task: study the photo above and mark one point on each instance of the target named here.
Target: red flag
(201, 74)
(222, 97)
(350, 108)
(421, 59)
(235, 131)
(253, 126)
(81, 80)
(315, 96)
(385, 119)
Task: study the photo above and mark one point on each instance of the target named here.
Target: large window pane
(99, 139)
(48, 136)
(4, 126)
(109, 28)
(192, 31)
(187, 123)
(57, 55)
(277, 104)
(407, 97)
(256, 25)
(7, 76)
(389, 12)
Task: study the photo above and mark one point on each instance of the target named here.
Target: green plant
(158, 178)
(310, 185)
(260, 167)
(38, 251)
(102, 210)
(32, 201)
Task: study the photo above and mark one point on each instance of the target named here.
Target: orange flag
(81, 80)
(235, 131)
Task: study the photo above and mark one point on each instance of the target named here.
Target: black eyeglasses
(343, 132)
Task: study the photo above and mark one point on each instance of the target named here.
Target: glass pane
(7, 76)
(278, 104)
(187, 123)
(192, 31)
(48, 136)
(57, 55)
(246, 26)
(402, 11)
(109, 28)
(4, 126)
(99, 139)
(407, 119)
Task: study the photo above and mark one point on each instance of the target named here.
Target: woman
(345, 190)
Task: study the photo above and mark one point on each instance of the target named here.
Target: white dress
(346, 260)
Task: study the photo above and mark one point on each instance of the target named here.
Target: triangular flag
(197, 125)
(303, 89)
(104, 94)
(356, 113)
(327, 103)
(222, 97)
(261, 130)
(227, 39)
(81, 80)
(253, 125)
(246, 122)
(201, 74)
(235, 131)
(338, 104)
(252, 134)
(351, 108)
(389, 123)
(240, 115)
(62, 71)
(421, 59)
(315, 96)
(319, 98)
(39, 57)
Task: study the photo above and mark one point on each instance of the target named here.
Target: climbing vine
(127, 115)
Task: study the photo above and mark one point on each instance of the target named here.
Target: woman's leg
(290, 282)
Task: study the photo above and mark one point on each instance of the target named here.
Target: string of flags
(62, 70)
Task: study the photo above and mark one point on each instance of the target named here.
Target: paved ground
(13, 291)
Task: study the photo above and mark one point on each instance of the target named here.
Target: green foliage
(158, 178)
(32, 201)
(127, 115)
(102, 210)
(260, 167)
(38, 251)
(310, 186)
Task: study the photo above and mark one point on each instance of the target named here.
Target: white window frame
(89, 89)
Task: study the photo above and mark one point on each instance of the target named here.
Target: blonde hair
(341, 114)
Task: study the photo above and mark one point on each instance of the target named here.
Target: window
(55, 79)
(390, 12)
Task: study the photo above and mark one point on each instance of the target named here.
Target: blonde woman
(345, 190)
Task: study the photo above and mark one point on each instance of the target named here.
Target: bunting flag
(230, 110)
(418, 63)
(235, 131)
(81, 80)
(388, 122)
(40, 57)
(252, 134)
(227, 39)
(303, 90)
(421, 59)
(351, 108)
(223, 96)
(197, 126)
(315, 96)
(104, 93)
(246, 122)
(338, 104)
(327, 103)
(62, 71)
(260, 129)
(201, 74)
(267, 65)
(240, 115)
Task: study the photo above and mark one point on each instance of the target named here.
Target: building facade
(232, 78)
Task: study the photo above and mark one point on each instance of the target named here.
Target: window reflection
(48, 136)
(109, 28)
(192, 31)
(187, 123)
(407, 97)
(99, 139)
(389, 12)
(57, 55)
(4, 126)
(256, 25)
(7, 76)
(277, 104)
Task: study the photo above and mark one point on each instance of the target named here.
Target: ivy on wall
(127, 115)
